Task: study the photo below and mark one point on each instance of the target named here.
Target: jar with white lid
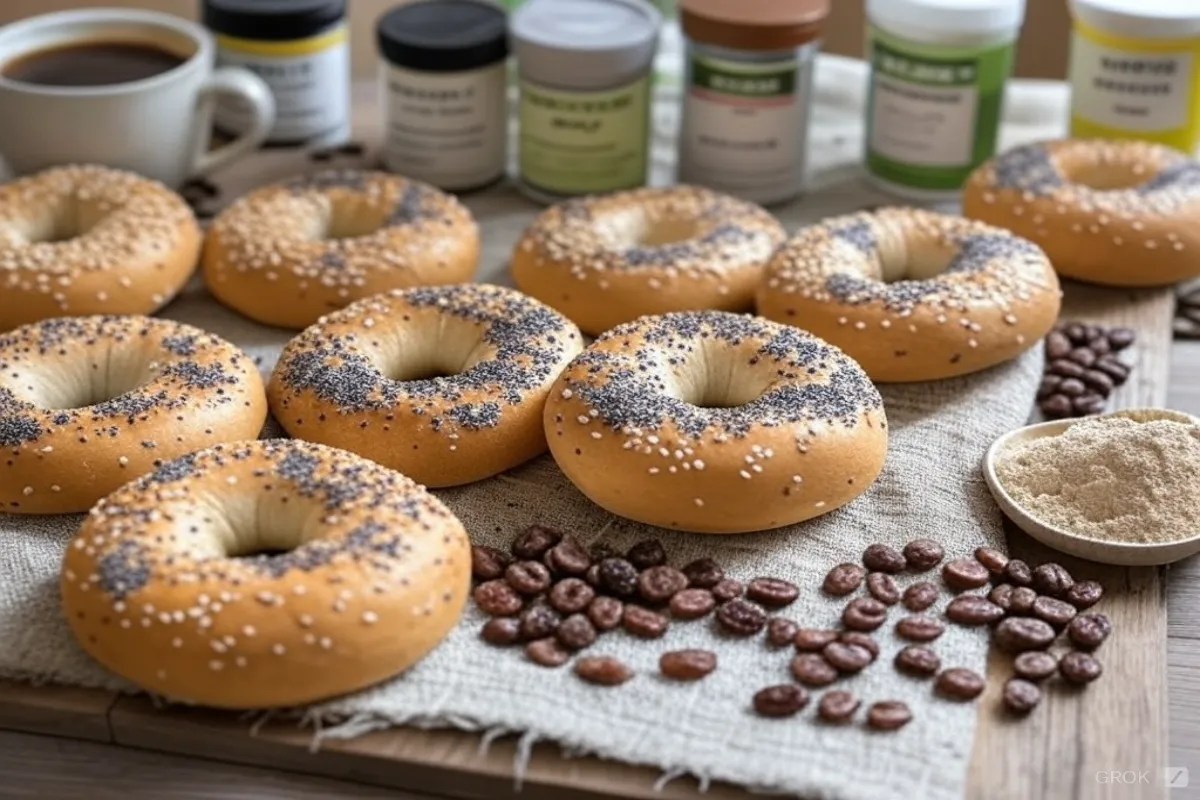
(938, 71)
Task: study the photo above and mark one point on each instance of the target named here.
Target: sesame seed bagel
(287, 253)
(913, 295)
(81, 240)
(607, 259)
(89, 403)
(445, 383)
(1121, 213)
(715, 422)
(167, 583)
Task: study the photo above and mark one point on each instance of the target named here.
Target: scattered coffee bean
(881, 558)
(1073, 387)
(659, 584)
(497, 599)
(1088, 631)
(960, 683)
(687, 665)
(1048, 386)
(1021, 696)
(703, 573)
(569, 557)
(1065, 368)
(861, 639)
(843, 579)
(864, 614)
(916, 659)
(1020, 602)
(847, 657)
(784, 700)
(837, 705)
(920, 596)
(1018, 573)
(538, 621)
(1077, 332)
(1001, 595)
(603, 670)
(1079, 667)
(1017, 634)
(920, 628)
(781, 631)
(1056, 406)
(888, 715)
(973, 609)
(965, 573)
(647, 553)
(501, 631)
(592, 576)
(488, 563)
(1035, 665)
(605, 613)
(741, 617)
(883, 588)
(772, 592)
(1052, 579)
(1113, 368)
(1084, 594)
(923, 554)
(1099, 346)
(547, 652)
(571, 595)
(576, 632)
(692, 604)
(1099, 382)
(643, 622)
(812, 669)
(993, 559)
(1120, 338)
(1057, 344)
(1083, 356)
(812, 639)
(528, 577)
(727, 589)
(618, 576)
(1087, 404)
(1057, 612)
(534, 542)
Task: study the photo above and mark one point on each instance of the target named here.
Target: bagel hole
(658, 233)
(634, 228)
(70, 221)
(349, 222)
(90, 381)
(427, 347)
(715, 375)
(1109, 176)
(259, 526)
(419, 372)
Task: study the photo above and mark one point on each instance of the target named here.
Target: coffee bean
(837, 706)
(534, 542)
(741, 617)
(1020, 602)
(1057, 345)
(843, 579)
(643, 622)
(1077, 332)
(1052, 579)
(1113, 368)
(923, 554)
(727, 589)
(772, 592)
(1048, 386)
(1087, 404)
(1065, 368)
(993, 559)
(864, 614)
(488, 563)
(1035, 665)
(881, 558)
(784, 700)
(576, 632)
(920, 628)
(959, 683)
(1017, 634)
(916, 659)
(592, 576)
(600, 551)
(1083, 356)
(571, 595)
(812, 669)
(501, 631)
(528, 577)
(883, 588)
(1084, 594)
(605, 613)
(692, 604)
(847, 657)
(888, 715)
(497, 599)
(659, 584)
(569, 557)
(1072, 388)
(703, 573)
(1079, 667)
(547, 652)
(1099, 382)
(1021, 696)
(965, 573)
(781, 631)
(1056, 406)
(1018, 573)
(811, 639)
(1057, 612)
(538, 621)
(861, 639)
(618, 576)
(647, 553)
(1099, 346)
(972, 609)
(687, 665)
(1088, 631)
(603, 670)
(1001, 595)
(1120, 338)
(920, 596)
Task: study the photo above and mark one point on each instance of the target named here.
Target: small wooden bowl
(1128, 554)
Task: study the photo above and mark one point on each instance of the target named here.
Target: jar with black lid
(443, 78)
(301, 49)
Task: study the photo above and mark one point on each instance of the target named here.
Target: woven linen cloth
(931, 486)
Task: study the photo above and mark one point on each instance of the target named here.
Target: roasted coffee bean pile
(1082, 369)
(202, 195)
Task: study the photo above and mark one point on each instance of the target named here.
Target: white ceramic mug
(158, 126)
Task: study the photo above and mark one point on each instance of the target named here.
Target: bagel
(913, 295)
(715, 422)
(167, 583)
(445, 384)
(82, 240)
(607, 259)
(1113, 212)
(285, 254)
(89, 403)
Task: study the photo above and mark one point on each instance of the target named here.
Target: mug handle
(244, 84)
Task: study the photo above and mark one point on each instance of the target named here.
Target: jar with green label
(938, 70)
(584, 68)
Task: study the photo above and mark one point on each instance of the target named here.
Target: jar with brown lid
(747, 94)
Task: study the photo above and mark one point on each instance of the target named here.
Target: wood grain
(56, 710)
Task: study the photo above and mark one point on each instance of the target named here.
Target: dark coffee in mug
(91, 63)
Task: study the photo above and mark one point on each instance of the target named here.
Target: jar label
(448, 129)
(309, 79)
(933, 114)
(583, 142)
(745, 125)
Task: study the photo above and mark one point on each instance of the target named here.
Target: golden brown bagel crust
(375, 574)
(270, 255)
(803, 431)
(991, 296)
(359, 380)
(89, 403)
(594, 258)
(81, 240)
(1139, 226)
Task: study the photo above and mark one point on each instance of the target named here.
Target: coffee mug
(158, 126)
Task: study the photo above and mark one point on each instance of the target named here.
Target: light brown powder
(1110, 478)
